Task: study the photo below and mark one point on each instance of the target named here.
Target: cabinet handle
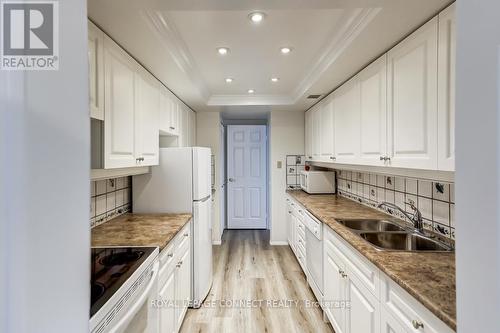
(139, 159)
(385, 158)
(310, 156)
(179, 264)
(382, 158)
(417, 324)
(172, 128)
(289, 212)
(186, 234)
(170, 255)
(333, 158)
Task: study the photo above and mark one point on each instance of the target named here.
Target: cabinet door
(165, 124)
(96, 71)
(147, 118)
(192, 128)
(119, 118)
(316, 129)
(347, 129)
(363, 315)
(326, 130)
(334, 288)
(446, 89)
(373, 113)
(412, 100)
(308, 134)
(167, 311)
(175, 116)
(289, 225)
(184, 127)
(183, 286)
(388, 324)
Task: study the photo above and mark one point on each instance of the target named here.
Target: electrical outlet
(280, 164)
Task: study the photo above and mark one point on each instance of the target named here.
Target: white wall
(45, 189)
(208, 135)
(478, 166)
(286, 135)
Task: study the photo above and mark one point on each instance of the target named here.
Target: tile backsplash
(109, 198)
(294, 165)
(435, 200)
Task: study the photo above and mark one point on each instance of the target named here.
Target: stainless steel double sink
(388, 236)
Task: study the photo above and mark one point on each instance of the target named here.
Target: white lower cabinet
(174, 287)
(375, 302)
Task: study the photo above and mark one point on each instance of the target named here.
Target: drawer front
(184, 239)
(412, 315)
(168, 253)
(301, 230)
(358, 265)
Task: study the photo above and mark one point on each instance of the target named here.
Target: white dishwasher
(314, 254)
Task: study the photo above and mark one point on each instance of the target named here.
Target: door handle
(231, 180)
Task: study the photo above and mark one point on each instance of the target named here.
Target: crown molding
(344, 34)
(166, 30)
(347, 32)
(221, 100)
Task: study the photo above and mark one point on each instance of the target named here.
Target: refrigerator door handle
(204, 199)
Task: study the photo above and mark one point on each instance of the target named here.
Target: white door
(363, 315)
(373, 113)
(167, 294)
(412, 100)
(96, 71)
(316, 135)
(147, 116)
(119, 116)
(247, 176)
(334, 287)
(308, 134)
(446, 89)
(326, 130)
(347, 129)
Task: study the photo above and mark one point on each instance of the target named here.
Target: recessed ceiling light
(286, 50)
(251, 91)
(275, 79)
(229, 80)
(222, 50)
(256, 17)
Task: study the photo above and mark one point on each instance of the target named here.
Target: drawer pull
(417, 324)
(289, 212)
(186, 234)
(170, 255)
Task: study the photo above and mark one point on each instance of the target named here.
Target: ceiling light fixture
(251, 91)
(256, 17)
(275, 79)
(286, 50)
(222, 50)
(229, 80)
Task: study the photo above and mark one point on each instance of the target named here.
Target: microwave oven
(318, 182)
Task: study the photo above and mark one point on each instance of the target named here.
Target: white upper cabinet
(308, 134)
(373, 112)
(412, 100)
(147, 112)
(96, 71)
(169, 113)
(326, 130)
(119, 115)
(347, 120)
(316, 132)
(192, 128)
(446, 89)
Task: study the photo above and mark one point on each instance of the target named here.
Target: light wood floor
(246, 267)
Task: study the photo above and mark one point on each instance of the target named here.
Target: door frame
(225, 162)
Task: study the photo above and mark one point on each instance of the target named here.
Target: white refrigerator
(181, 183)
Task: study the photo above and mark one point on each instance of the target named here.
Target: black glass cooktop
(111, 267)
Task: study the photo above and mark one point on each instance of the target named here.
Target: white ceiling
(331, 41)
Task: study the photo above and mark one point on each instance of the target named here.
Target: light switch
(279, 164)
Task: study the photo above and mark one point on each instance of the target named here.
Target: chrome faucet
(417, 220)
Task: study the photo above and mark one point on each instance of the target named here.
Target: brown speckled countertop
(139, 230)
(429, 277)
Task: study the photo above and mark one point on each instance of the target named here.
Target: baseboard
(278, 242)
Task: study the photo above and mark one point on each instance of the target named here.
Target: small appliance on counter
(317, 182)
(123, 283)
